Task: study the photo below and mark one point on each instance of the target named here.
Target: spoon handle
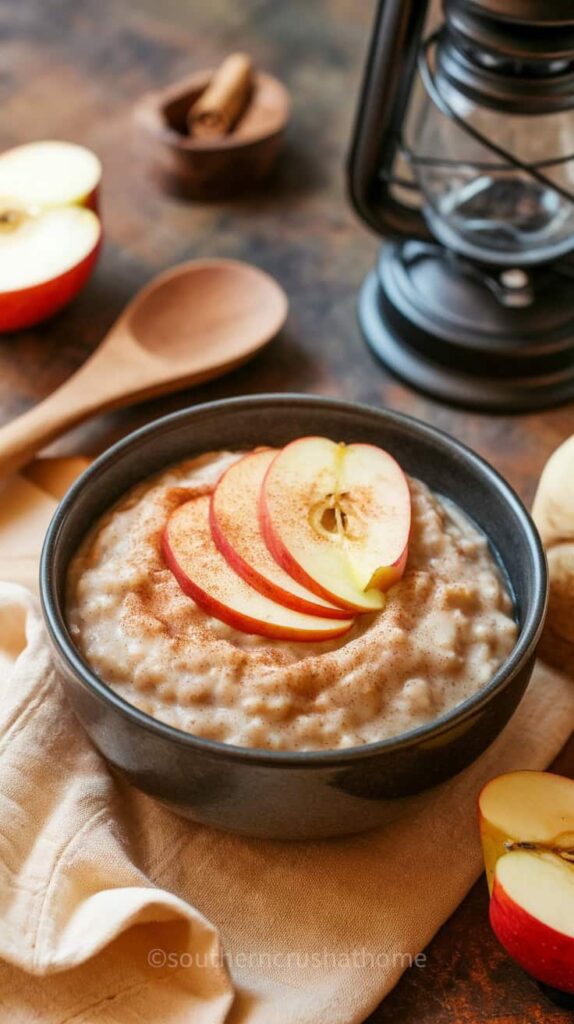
(103, 382)
(21, 439)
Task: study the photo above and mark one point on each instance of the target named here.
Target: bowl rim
(518, 658)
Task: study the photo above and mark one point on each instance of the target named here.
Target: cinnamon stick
(222, 103)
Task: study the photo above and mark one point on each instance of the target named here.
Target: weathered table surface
(73, 70)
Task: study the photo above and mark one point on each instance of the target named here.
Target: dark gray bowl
(279, 794)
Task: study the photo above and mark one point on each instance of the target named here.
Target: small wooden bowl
(213, 168)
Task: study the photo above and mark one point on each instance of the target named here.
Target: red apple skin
(283, 556)
(29, 306)
(542, 952)
(258, 582)
(235, 619)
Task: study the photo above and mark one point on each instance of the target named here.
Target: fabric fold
(68, 886)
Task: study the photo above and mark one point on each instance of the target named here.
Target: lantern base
(477, 337)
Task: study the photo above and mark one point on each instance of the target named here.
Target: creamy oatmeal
(445, 629)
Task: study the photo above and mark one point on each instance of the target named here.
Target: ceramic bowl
(299, 794)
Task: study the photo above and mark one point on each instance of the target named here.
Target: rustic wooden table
(73, 70)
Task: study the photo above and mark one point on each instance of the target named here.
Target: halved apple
(337, 518)
(204, 574)
(236, 529)
(532, 914)
(527, 830)
(49, 237)
(524, 807)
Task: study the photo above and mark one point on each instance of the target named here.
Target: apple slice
(236, 530)
(337, 519)
(44, 261)
(204, 574)
(48, 174)
(532, 914)
(524, 807)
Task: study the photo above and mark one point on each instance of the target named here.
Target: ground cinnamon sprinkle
(445, 629)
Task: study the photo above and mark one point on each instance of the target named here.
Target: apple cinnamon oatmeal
(443, 631)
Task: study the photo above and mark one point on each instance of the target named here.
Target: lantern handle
(389, 73)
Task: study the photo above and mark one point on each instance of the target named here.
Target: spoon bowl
(231, 308)
(190, 324)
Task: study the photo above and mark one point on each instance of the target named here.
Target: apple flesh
(532, 914)
(236, 530)
(337, 518)
(49, 233)
(49, 174)
(204, 575)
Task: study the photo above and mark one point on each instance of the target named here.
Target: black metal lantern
(468, 167)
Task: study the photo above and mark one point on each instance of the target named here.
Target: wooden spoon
(190, 324)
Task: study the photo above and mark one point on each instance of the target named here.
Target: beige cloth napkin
(115, 911)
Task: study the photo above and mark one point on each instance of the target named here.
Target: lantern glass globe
(480, 206)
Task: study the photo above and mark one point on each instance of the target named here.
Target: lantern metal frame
(496, 339)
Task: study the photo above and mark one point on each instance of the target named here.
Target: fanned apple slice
(204, 574)
(236, 530)
(337, 519)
